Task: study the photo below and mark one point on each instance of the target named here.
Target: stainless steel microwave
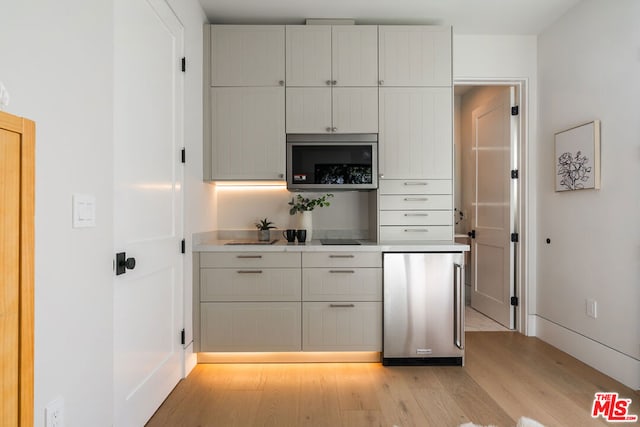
(332, 161)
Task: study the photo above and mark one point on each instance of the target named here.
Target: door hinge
(472, 234)
(515, 110)
(184, 64)
(514, 237)
(182, 337)
(183, 246)
(514, 174)
(183, 155)
(514, 301)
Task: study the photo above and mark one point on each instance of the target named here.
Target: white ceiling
(466, 16)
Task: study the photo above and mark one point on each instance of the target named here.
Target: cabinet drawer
(416, 218)
(434, 232)
(415, 202)
(415, 186)
(250, 326)
(249, 260)
(228, 284)
(342, 259)
(342, 284)
(355, 326)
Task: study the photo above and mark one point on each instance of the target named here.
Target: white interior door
(148, 308)
(493, 281)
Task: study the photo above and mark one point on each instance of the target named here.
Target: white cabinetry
(244, 102)
(415, 55)
(331, 79)
(415, 139)
(416, 210)
(342, 301)
(250, 302)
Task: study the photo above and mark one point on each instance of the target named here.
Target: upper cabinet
(339, 55)
(332, 78)
(244, 102)
(414, 56)
(247, 55)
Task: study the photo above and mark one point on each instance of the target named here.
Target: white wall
(507, 57)
(57, 63)
(589, 63)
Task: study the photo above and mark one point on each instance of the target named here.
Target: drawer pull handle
(341, 256)
(416, 230)
(249, 271)
(249, 256)
(416, 183)
(342, 271)
(342, 305)
(416, 199)
(416, 214)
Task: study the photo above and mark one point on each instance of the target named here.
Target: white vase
(305, 222)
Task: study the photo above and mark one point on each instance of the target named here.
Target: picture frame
(577, 157)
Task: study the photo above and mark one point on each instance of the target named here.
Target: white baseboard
(190, 360)
(531, 325)
(617, 365)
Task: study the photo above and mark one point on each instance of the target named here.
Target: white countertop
(204, 243)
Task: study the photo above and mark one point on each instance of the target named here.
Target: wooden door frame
(521, 218)
(26, 129)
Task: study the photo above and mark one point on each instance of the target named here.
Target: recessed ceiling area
(466, 16)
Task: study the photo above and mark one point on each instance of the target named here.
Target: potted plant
(304, 206)
(263, 226)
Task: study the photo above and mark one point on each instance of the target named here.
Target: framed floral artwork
(577, 157)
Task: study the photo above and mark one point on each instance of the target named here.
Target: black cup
(302, 235)
(290, 235)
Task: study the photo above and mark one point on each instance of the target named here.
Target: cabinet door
(250, 326)
(416, 233)
(355, 55)
(331, 326)
(247, 55)
(355, 109)
(413, 55)
(415, 140)
(309, 110)
(247, 133)
(308, 53)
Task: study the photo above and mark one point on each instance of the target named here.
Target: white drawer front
(341, 259)
(416, 218)
(434, 232)
(330, 326)
(250, 326)
(342, 284)
(415, 186)
(415, 202)
(273, 284)
(249, 259)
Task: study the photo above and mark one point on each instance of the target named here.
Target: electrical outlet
(592, 308)
(54, 413)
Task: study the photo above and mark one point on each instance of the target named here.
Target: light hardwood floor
(506, 376)
(475, 321)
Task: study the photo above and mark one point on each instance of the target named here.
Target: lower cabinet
(341, 301)
(250, 326)
(268, 302)
(342, 326)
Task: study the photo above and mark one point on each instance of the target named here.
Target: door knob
(123, 263)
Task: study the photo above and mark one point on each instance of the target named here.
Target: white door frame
(519, 211)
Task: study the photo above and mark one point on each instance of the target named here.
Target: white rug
(522, 422)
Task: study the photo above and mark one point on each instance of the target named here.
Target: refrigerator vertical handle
(458, 307)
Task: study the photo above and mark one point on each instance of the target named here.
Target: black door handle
(123, 263)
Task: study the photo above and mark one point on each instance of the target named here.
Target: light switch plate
(84, 210)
